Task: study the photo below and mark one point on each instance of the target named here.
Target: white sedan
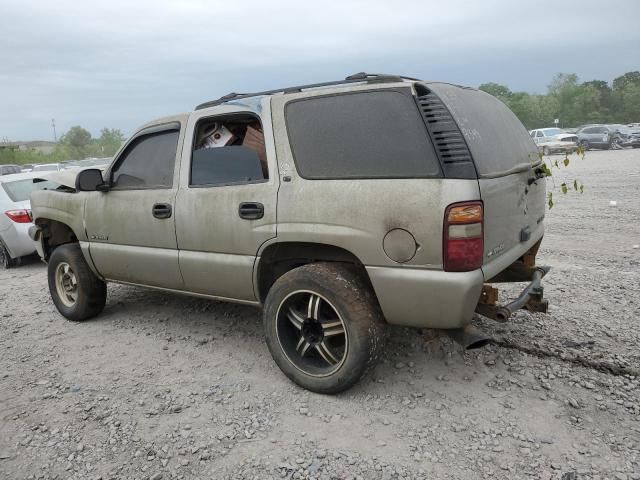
(15, 215)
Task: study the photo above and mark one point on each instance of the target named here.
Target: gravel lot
(164, 386)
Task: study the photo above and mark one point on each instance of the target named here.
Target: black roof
(355, 78)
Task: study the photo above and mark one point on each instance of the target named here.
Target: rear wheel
(6, 261)
(323, 326)
(76, 292)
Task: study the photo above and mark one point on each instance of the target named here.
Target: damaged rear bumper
(35, 232)
(530, 299)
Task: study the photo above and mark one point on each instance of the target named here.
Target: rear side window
(377, 134)
(229, 150)
(20, 190)
(148, 162)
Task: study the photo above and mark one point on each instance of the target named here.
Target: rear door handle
(161, 210)
(251, 210)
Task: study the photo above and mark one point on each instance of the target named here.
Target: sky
(119, 64)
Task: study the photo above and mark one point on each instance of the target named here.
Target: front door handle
(251, 210)
(161, 210)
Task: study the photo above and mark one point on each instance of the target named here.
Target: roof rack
(355, 78)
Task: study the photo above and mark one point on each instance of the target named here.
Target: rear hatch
(506, 160)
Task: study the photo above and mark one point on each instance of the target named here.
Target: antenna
(53, 124)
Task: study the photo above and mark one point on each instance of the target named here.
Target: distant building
(40, 146)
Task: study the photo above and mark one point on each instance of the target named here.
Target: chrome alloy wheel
(311, 333)
(66, 284)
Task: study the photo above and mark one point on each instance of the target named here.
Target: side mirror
(89, 180)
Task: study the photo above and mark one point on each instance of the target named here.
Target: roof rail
(355, 78)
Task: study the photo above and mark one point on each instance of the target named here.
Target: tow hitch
(530, 299)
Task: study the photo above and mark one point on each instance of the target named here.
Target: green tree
(109, 141)
(630, 100)
(564, 89)
(628, 78)
(497, 90)
(75, 142)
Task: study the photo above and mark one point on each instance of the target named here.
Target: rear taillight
(462, 237)
(19, 216)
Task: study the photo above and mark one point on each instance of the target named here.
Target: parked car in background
(554, 140)
(9, 169)
(47, 167)
(624, 136)
(594, 136)
(607, 136)
(15, 216)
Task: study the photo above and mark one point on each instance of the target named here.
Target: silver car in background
(554, 140)
(15, 216)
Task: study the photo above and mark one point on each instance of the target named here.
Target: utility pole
(53, 124)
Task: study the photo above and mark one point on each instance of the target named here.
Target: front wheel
(546, 152)
(584, 145)
(323, 326)
(75, 290)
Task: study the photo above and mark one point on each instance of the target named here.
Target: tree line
(76, 144)
(574, 103)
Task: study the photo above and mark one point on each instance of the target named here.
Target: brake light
(19, 216)
(463, 237)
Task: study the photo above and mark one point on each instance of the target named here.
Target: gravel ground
(163, 386)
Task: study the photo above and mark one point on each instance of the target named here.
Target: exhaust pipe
(469, 337)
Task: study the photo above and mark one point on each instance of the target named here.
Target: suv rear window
(373, 134)
(498, 141)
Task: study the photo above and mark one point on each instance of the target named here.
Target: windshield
(549, 132)
(20, 190)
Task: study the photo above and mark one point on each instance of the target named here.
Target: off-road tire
(91, 291)
(6, 261)
(352, 298)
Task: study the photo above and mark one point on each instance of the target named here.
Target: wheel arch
(53, 234)
(281, 257)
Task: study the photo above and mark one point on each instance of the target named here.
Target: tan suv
(336, 207)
